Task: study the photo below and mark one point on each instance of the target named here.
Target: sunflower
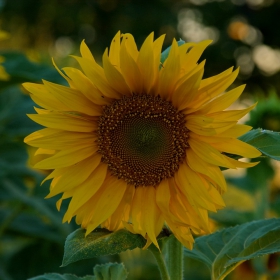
(138, 144)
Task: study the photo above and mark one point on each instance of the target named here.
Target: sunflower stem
(160, 262)
(175, 259)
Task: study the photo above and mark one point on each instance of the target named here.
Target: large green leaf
(110, 271)
(226, 249)
(56, 276)
(100, 242)
(268, 142)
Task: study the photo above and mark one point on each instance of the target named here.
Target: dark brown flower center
(143, 139)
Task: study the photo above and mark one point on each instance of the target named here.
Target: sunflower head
(143, 139)
(137, 143)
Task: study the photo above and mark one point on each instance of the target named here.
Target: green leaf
(222, 251)
(56, 276)
(165, 53)
(110, 271)
(100, 242)
(268, 142)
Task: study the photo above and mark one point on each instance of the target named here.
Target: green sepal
(100, 242)
(165, 53)
(224, 250)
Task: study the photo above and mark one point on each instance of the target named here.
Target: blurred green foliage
(244, 34)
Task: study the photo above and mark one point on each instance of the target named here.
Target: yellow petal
(186, 76)
(83, 84)
(184, 94)
(42, 151)
(157, 47)
(241, 164)
(43, 98)
(114, 77)
(169, 73)
(84, 192)
(181, 212)
(58, 204)
(237, 147)
(213, 192)
(43, 111)
(152, 219)
(74, 175)
(235, 131)
(218, 86)
(211, 80)
(213, 139)
(207, 153)
(207, 126)
(106, 203)
(201, 166)
(53, 174)
(145, 62)
(188, 212)
(67, 157)
(136, 213)
(121, 214)
(210, 91)
(58, 140)
(61, 73)
(114, 53)
(130, 70)
(183, 234)
(64, 122)
(85, 51)
(129, 42)
(232, 115)
(222, 102)
(184, 52)
(163, 197)
(72, 99)
(96, 74)
(192, 186)
(45, 132)
(190, 59)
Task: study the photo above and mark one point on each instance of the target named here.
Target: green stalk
(160, 261)
(175, 259)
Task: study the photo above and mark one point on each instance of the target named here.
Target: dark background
(246, 33)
